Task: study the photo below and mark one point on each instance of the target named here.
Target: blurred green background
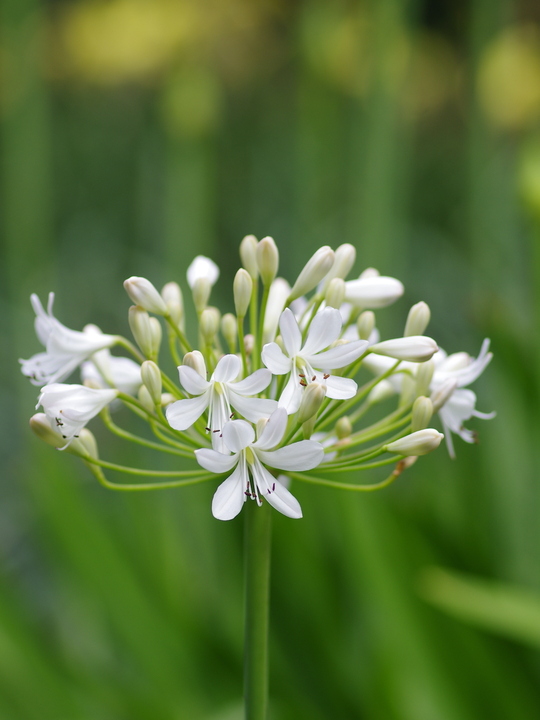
(137, 134)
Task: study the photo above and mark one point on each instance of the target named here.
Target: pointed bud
(167, 399)
(373, 291)
(381, 392)
(335, 293)
(242, 287)
(248, 255)
(422, 412)
(143, 293)
(311, 402)
(408, 390)
(146, 399)
(443, 393)
(267, 260)
(344, 258)
(139, 322)
(229, 330)
(424, 375)
(87, 442)
(195, 360)
(201, 290)
(174, 300)
(365, 324)
(417, 348)
(202, 268)
(209, 324)
(421, 442)
(369, 273)
(41, 426)
(279, 292)
(417, 320)
(313, 272)
(151, 377)
(343, 428)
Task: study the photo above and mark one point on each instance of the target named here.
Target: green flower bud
(267, 260)
(422, 412)
(229, 330)
(365, 324)
(151, 377)
(313, 272)
(421, 442)
(242, 287)
(417, 320)
(143, 293)
(248, 255)
(343, 428)
(209, 323)
(335, 293)
(311, 402)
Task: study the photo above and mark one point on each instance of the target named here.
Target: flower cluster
(272, 389)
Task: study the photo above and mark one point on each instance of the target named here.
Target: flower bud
(157, 334)
(249, 343)
(382, 391)
(174, 300)
(369, 273)
(139, 322)
(209, 323)
(422, 412)
(151, 377)
(343, 427)
(408, 390)
(417, 348)
(143, 293)
(365, 324)
(167, 399)
(202, 287)
(313, 272)
(442, 394)
(81, 446)
(229, 330)
(277, 297)
(41, 426)
(424, 375)
(242, 287)
(421, 442)
(373, 291)
(85, 442)
(267, 260)
(335, 293)
(202, 268)
(146, 399)
(248, 255)
(344, 258)
(195, 360)
(417, 320)
(311, 402)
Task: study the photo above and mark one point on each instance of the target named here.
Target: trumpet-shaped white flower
(219, 394)
(70, 407)
(105, 370)
(202, 268)
(65, 349)
(309, 362)
(250, 478)
(373, 291)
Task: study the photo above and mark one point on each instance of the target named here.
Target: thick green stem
(257, 541)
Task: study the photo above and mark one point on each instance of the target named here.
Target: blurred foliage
(138, 134)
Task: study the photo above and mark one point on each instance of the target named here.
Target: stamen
(326, 376)
(313, 378)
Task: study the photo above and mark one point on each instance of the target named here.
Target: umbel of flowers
(263, 396)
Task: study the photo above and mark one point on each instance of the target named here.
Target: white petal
(339, 388)
(303, 455)
(238, 434)
(324, 329)
(254, 383)
(230, 495)
(290, 332)
(202, 267)
(253, 409)
(215, 462)
(458, 408)
(191, 381)
(416, 348)
(339, 356)
(292, 394)
(272, 491)
(273, 431)
(275, 360)
(373, 292)
(183, 413)
(279, 292)
(227, 369)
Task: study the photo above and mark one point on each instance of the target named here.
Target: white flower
(220, 393)
(202, 268)
(144, 294)
(249, 458)
(65, 349)
(416, 348)
(373, 291)
(420, 442)
(300, 361)
(105, 370)
(70, 407)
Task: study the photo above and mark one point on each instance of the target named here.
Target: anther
(326, 376)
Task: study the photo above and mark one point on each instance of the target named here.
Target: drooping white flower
(250, 477)
(105, 370)
(219, 394)
(373, 291)
(310, 362)
(202, 268)
(70, 407)
(416, 348)
(420, 442)
(144, 294)
(65, 349)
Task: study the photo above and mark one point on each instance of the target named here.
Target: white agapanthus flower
(310, 362)
(220, 394)
(250, 478)
(70, 407)
(105, 370)
(202, 268)
(65, 349)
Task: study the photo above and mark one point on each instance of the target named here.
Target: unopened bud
(248, 255)
(209, 323)
(201, 290)
(41, 426)
(421, 442)
(443, 393)
(343, 428)
(157, 334)
(151, 377)
(382, 391)
(422, 412)
(365, 324)
(417, 348)
(174, 300)
(143, 293)
(202, 268)
(195, 360)
(242, 287)
(167, 399)
(229, 330)
(313, 272)
(139, 322)
(146, 399)
(85, 442)
(369, 273)
(267, 260)
(311, 402)
(408, 390)
(417, 319)
(373, 291)
(277, 297)
(424, 375)
(344, 258)
(335, 293)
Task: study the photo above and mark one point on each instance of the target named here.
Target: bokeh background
(139, 133)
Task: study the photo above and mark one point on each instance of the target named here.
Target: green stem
(120, 432)
(257, 543)
(194, 475)
(348, 486)
(98, 473)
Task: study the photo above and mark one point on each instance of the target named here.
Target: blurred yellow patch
(509, 78)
